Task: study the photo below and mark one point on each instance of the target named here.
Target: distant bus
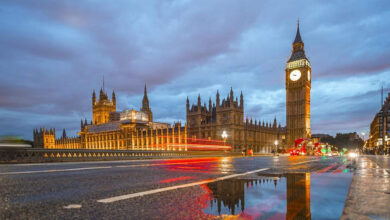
(14, 141)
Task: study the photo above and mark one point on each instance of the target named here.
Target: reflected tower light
(276, 146)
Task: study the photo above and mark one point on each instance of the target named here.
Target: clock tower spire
(298, 86)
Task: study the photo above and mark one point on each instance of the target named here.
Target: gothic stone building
(114, 130)
(379, 137)
(228, 116)
(298, 86)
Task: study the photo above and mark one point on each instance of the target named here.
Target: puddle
(288, 196)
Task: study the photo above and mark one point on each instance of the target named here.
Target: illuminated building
(379, 139)
(117, 130)
(101, 109)
(227, 117)
(298, 86)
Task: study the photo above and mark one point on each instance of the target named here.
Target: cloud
(54, 54)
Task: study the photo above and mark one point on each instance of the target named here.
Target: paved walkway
(369, 194)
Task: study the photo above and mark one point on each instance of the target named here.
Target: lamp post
(224, 136)
(276, 146)
(364, 143)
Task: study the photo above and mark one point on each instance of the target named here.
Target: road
(207, 188)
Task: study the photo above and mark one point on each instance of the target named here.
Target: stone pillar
(185, 137)
(132, 140)
(173, 138)
(147, 138)
(161, 139)
(156, 140)
(142, 140)
(179, 137)
(167, 148)
(152, 139)
(137, 131)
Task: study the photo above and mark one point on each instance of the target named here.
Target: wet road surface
(200, 188)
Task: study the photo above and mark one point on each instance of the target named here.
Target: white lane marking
(129, 196)
(72, 206)
(308, 161)
(59, 170)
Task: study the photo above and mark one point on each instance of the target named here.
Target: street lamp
(276, 146)
(364, 143)
(224, 136)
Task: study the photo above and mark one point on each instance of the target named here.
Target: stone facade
(379, 137)
(101, 109)
(228, 117)
(44, 138)
(298, 86)
(112, 130)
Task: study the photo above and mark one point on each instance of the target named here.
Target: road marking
(72, 206)
(308, 161)
(133, 195)
(122, 166)
(51, 171)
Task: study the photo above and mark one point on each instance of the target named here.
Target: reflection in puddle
(288, 196)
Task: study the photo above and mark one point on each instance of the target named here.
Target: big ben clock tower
(298, 85)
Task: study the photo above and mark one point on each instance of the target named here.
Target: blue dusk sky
(55, 53)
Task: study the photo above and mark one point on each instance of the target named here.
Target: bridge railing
(31, 155)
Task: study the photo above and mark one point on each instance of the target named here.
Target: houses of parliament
(227, 115)
(222, 120)
(117, 130)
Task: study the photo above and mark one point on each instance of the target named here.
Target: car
(335, 153)
(294, 152)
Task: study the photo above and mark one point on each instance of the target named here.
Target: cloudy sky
(55, 53)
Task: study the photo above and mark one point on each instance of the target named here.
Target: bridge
(40, 155)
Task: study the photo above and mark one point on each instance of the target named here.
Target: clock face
(308, 75)
(295, 75)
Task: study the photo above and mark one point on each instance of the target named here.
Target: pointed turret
(231, 94)
(217, 98)
(145, 100)
(93, 97)
(188, 104)
(101, 95)
(274, 125)
(241, 100)
(210, 104)
(145, 104)
(298, 38)
(113, 97)
(298, 51)
(64, 132)
(199, 102)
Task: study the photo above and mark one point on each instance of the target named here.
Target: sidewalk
(369, 193)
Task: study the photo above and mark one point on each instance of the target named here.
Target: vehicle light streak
(201, 146)
(326, 169)
(171, 180)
